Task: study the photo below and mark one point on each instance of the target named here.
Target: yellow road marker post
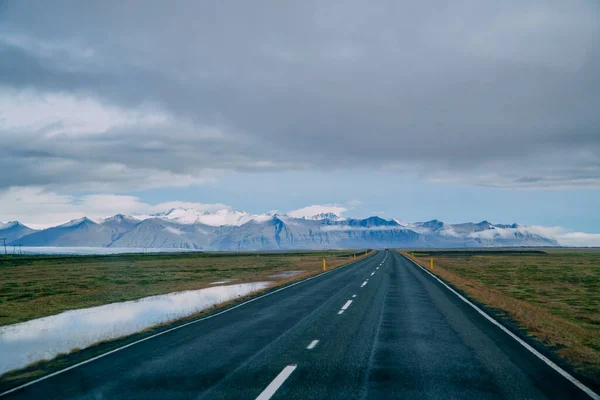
(431, 263)
(354, 257)
(324, 265)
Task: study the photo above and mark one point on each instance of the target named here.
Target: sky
(461, 111)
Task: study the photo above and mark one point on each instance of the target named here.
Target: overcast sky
(416, 110)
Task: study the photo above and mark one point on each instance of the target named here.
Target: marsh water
(44, 338)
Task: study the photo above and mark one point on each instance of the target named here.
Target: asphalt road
(401, 335)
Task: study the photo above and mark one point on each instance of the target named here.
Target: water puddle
(44, 338)
(93, 250)
(222, 282)
(286, 274)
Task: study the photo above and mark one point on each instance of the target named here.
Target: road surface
(380, 328)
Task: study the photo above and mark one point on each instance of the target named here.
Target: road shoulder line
(539, 355)
(179, 327)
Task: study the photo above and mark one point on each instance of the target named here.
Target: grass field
(554, 295)
(37, 286)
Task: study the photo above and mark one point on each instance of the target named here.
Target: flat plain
(37, 286)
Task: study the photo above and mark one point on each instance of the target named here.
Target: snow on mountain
(218, 218)
(327, 215)
(76, 222)
(164, 233)
(78, 232)
(9, 224)
(180, 215)
(14, 230)
(399, 222)
(229, 217)
(117, 219)
(236, 230)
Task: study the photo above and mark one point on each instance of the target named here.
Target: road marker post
(324, 265)
(431, 263)
(355, 257)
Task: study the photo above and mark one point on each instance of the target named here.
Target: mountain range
(228, 230)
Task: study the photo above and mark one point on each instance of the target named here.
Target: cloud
(39, 208)
(309, 211)
(562, 235)
(580, 239)
(353, 203)
(503, 95)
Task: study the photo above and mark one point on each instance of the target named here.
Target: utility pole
(4, 240)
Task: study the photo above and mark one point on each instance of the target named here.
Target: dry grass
(554, 296)
(33, 287)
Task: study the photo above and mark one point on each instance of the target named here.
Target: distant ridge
(228, 230)
(14, 230)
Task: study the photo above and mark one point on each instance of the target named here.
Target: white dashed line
(363, 284)
(353, 296)
(312, 344)
(372, 273)
(43, 378)
(277, 382)
(340, 312)
(345, 306)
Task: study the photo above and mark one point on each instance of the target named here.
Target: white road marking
(345, 306)
(539, 355)
(353, 296)
(340, 312)
(364, 283)
(372, 273)
(277, 382)
(172, 329)
(312, 344)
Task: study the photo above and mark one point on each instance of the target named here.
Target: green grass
(38, 286)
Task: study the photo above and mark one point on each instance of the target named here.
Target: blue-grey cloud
(502, 94)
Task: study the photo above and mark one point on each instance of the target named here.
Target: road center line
(195, 321)
(312, 344)
(363, 284)
(353, 296)
(372, 273)
(276, 383)
(345, 306)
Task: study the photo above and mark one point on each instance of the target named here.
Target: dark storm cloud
(498, 93)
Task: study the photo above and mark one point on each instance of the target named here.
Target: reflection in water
(286, 274)
(44, 338)
(97, 250)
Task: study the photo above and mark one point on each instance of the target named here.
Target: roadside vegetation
(37, 286)
(553, 294)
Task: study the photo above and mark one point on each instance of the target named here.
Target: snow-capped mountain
(14, 230)
(218, 218)
(329, 216)
(236, 230)
(119, 225)
(78, 232)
